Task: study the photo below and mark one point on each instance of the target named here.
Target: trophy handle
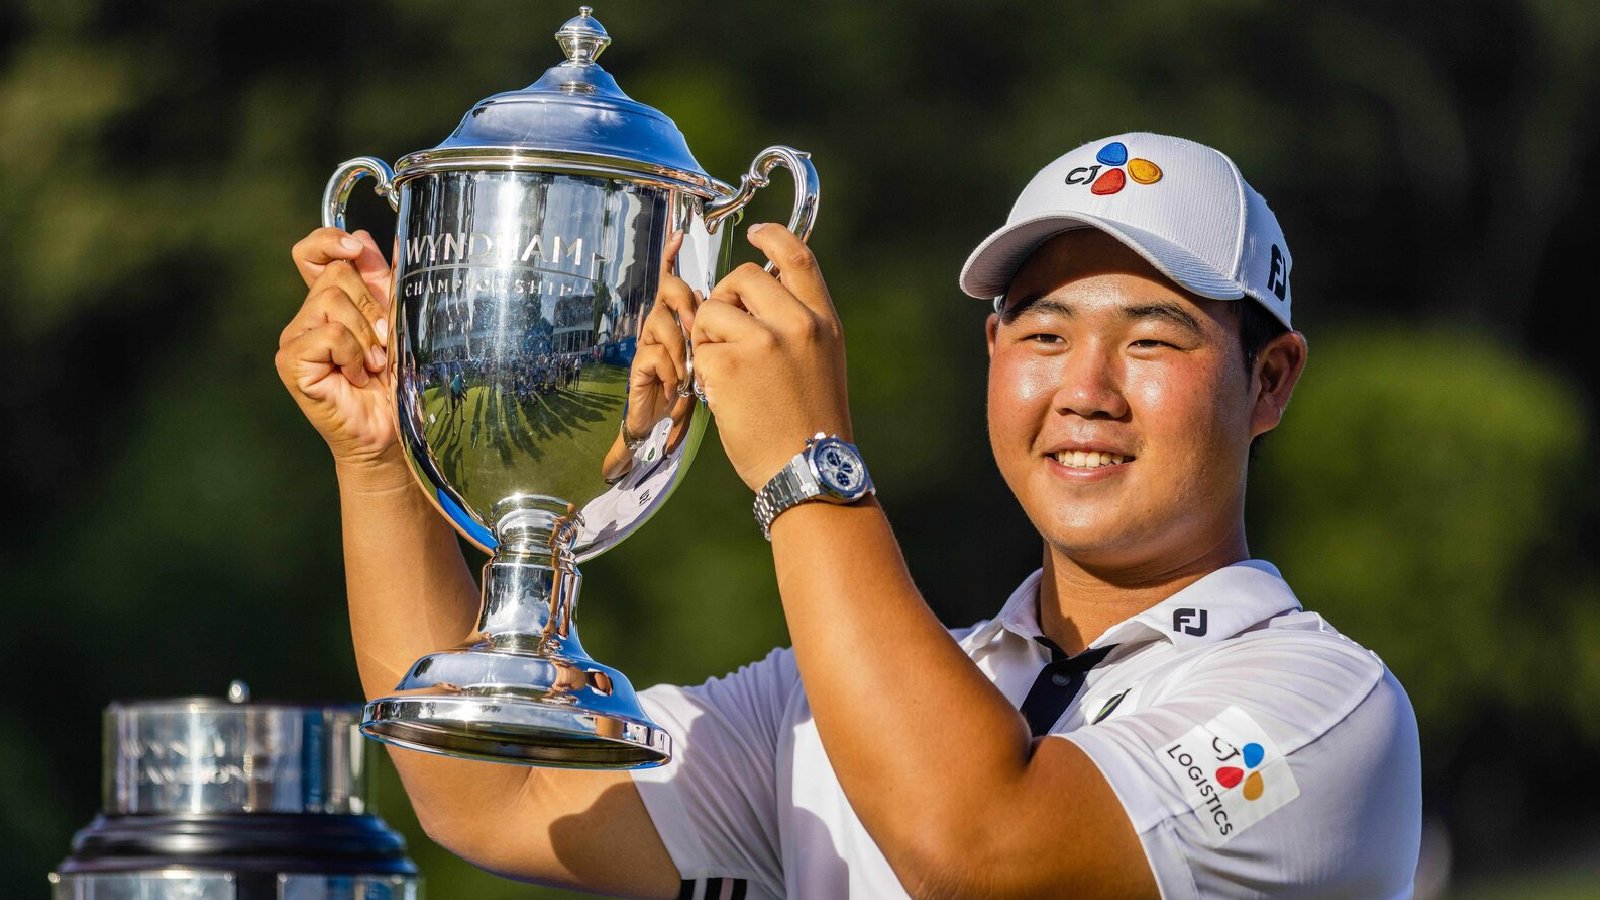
(337, 193)
(807, 190)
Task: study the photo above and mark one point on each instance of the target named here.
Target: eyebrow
(1035, 303)
(1171, 312)
(1177, 315)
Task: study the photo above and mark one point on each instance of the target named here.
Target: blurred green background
(171, 521)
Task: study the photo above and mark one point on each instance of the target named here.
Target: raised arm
(979, 808)
(411, 593)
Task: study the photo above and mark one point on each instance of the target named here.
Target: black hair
(1257, 329)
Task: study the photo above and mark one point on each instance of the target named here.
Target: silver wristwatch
(828, 469)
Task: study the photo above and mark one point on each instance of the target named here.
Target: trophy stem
(522, 689)
(527, 606)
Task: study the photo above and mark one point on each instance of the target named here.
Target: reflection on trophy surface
(519, 346)
(531, 246)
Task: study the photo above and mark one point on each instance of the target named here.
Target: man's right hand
(333, 355)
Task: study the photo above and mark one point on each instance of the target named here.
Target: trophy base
(519, 707)
(523, 690)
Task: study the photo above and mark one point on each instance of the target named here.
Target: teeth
(1079, 459)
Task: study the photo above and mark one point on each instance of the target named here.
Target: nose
(1091, 384)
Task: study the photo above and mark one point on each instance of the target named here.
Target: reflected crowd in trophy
(555, 376)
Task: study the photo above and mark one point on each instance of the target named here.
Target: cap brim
(991, 267)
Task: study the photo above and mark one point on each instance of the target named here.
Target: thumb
(374, 269)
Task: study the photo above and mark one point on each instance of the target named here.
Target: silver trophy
(206, 799)
(530, 246)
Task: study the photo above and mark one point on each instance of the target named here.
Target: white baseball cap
(1181, 205)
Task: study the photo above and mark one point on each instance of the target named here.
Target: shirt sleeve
(1279, 766)
(715, 803)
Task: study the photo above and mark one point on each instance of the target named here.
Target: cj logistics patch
(1231, 774)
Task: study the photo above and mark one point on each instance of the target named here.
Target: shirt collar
(1219, 605)
(1019, 614)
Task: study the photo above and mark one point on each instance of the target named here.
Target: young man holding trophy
(1152, 712)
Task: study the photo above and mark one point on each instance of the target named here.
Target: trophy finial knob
(238, 691)
(583, 38)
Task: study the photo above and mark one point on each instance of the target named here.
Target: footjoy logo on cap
(1108, 177)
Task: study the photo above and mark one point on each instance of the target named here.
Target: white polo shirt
(1256, 750)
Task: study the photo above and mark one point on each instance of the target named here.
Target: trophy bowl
(530, 247)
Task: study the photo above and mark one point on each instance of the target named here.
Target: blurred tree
(171, 522)
(1412, 513)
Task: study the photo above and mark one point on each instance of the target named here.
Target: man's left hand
(769, 354)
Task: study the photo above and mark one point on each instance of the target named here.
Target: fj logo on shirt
(1107, 175)
(1230, 773)
(1189, 620)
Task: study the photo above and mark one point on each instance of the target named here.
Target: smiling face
(1120, 411)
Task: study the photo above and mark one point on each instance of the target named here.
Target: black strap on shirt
(1058, 684)
(713, 889)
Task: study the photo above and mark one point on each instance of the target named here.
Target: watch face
(839, 468)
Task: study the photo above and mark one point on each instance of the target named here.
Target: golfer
(1151, 713)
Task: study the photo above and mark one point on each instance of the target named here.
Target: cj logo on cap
(1189, 620)
(1111, 158)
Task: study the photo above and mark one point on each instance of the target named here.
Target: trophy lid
(574, 114)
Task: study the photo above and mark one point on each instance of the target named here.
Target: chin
(1083, 548)
(1086, 540)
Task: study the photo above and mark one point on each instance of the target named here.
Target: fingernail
(349, 243)
(757, 227)
(380, 357)
(382, 328)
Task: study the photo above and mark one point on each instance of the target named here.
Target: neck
(1079, 601)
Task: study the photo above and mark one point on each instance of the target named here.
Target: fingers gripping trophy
(543, 386)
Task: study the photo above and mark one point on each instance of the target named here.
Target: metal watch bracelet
(780, 492)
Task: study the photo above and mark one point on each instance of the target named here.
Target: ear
(990, 327)
(1277, 369)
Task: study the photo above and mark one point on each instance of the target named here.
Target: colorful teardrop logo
(1113, 154)
(1109, 182)
(1144, 171)
(1254, 785)
(1114, 166)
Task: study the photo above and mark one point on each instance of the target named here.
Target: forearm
(409, 588)
(922, 742)
(410, 594)
(941, 770)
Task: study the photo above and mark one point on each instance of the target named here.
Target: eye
(1044, 337)
(1149, 344)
